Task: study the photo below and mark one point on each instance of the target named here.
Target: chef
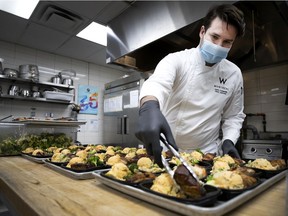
(196, 93)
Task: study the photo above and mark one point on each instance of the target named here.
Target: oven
(268, 149)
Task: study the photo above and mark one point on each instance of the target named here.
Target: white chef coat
(198, 100)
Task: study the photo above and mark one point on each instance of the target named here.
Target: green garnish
(133, 167)
(94, 160)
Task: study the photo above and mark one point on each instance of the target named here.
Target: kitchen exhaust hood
(151, 30)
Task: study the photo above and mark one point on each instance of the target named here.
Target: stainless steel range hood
(151, 30)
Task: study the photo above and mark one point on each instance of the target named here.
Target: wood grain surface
(29, 188)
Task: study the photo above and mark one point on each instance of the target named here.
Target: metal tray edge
(78, 176)
(37, 160)
(220, 208)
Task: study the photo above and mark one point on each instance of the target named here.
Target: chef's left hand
(229, 148)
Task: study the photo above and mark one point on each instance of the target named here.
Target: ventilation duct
(59, 19)
(151, 30)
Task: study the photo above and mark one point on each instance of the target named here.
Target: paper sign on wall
(134, 98)
(113, 104)
(133, 101)
(88, 99)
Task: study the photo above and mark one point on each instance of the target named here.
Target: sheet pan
(74, 175)
(218, 209)
(34, 159)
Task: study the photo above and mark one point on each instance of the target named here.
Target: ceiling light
(95, 32)
(19, 8)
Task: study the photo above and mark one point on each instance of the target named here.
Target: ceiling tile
(40, 37)
(79, 48)
(11, 27)
(112, 10)
(40, 33)
(98, 57)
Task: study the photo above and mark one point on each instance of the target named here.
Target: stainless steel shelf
(35, 99)
(20, 80)
(50, 122)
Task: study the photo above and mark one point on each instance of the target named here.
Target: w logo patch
(222, 80)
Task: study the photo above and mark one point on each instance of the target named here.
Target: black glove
(229, 148)
(150, 125)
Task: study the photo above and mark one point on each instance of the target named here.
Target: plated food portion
(199, 162)
(37, 152)
(133, 166)
(221, 177)
(267, 168)
(119, 160)
(80, 158)
(164, 186)
(264, 164)
(229, 175)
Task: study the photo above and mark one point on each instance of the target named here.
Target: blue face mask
(213, 53)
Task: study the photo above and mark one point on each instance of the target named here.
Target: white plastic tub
(53, 95)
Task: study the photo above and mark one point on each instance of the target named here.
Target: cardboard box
(127, 60)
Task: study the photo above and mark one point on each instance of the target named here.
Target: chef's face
(219, 33)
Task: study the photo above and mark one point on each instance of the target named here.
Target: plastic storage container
(58, 95)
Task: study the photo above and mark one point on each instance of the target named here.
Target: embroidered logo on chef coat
(222, 80)
(221, 89)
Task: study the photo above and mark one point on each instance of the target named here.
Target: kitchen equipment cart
(29, 188)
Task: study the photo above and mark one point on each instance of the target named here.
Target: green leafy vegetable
(94, 160)
(133, 167)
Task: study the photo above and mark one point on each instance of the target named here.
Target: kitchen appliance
(28, 71)
(67, 75)
(9, 72)
(1, 65)
(268, 149)
(25, 92)
(14, 90)
(121, 106)
(36, 94)
(57, 79)
(67, 81)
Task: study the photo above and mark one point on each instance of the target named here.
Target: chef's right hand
(151, 123)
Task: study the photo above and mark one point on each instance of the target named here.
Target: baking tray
(218, 209)
(72, 174)
(35, 159)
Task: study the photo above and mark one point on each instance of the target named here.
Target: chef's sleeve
(161, 82)
(233, 115)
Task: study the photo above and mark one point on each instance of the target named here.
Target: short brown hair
(229, 14)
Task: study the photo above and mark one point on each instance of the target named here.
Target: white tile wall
(265, 92)
(87, 74)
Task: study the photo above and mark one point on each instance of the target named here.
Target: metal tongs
(176, 154)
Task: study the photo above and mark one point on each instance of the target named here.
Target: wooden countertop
(29, 188)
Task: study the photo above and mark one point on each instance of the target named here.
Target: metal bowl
(68, 81)
(9, 72)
